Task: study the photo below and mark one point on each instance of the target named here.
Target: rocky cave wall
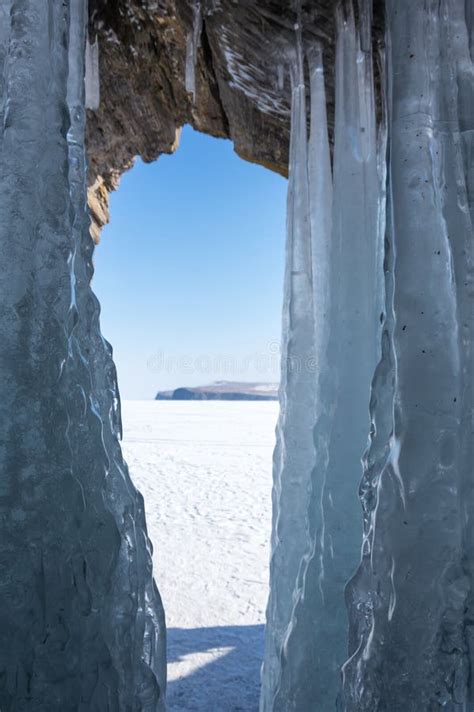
(242, 82)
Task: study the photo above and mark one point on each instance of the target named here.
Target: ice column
(5, 7)
(92, 75)
(81, 620)
(294, 454)
(325, 409)
(192, 45)
(412, 604)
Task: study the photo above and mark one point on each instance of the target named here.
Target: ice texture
(92, 75)
(5, 7)
(411, 602)
(378, 322)
(281, 76)
(82, 626)
(295, 452)
(193, 42)
(331, 331)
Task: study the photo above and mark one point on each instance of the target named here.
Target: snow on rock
(223, 390)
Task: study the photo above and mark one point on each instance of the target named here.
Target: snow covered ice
(204, 468)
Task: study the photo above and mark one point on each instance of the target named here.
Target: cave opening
(378, 305)
(189, 274)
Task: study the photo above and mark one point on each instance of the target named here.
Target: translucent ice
(5, 24)
(281, 77)
(81, 621)
(92, 76)
(411, 602)
(292, 464)
(332, 332)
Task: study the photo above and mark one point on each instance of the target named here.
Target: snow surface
(204, 469)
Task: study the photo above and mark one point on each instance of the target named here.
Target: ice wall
(81, 622)
(412, 599)
(5, 7)
(331, 342)
(385, 318)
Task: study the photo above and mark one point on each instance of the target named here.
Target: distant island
(224, 390)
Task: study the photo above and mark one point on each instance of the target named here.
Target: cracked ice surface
(81, 619)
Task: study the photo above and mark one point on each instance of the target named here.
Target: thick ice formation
(92, 75)
(5, 7)
(333, 303)
(82, 626)
(293, 465)
(412, 599)
(81, 621)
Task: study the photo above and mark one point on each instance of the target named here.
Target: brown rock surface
(142, 69)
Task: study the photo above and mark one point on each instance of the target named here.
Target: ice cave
(368, 108)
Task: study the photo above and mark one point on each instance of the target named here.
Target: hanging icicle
(280, 77)
(307, 620)
(293, 463)
(365, 24)
(5, 27)
(193, 43)
(92, 78)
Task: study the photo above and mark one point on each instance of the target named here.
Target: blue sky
(190, 270)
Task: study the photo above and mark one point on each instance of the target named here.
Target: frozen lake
(204, 469)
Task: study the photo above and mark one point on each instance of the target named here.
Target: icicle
(365, 22)
(92, 75)
(412, 598)
(5, 25)
(469, 22)
(280, 77)
(193, 43)
(307, 630)
(294, 454)
(303, 675)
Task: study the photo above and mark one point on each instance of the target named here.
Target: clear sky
(190, 270)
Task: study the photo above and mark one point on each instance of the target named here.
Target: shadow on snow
(221, 668)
